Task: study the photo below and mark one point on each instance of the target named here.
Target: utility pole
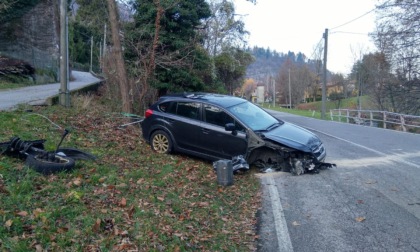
(274, 92)
(324, 83)
(103, 54)
(64, 94)
(91, 53)
(290, 93)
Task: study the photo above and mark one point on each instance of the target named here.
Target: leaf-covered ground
(129, 199)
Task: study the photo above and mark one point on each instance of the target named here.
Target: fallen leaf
(8, 223)
(96, 226)
(203, 204)
(77, 182)
(295, 223)
(37, 212)
(360, 219)
(123, 202)
(371, 181)
(22, 213)
(38, 248)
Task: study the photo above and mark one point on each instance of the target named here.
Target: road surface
(37, 95)
(370, 202)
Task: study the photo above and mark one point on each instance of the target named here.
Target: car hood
(293, 136)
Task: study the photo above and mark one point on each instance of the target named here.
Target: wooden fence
(383, 119)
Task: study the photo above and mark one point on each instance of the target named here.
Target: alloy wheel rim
(160, 143)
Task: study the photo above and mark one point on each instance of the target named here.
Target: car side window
(217, 116)
(188, 109)
(165, 107)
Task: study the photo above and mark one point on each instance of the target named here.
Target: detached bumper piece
(238, 164)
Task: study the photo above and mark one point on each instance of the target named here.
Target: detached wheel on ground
(45, 166)
(161, 142)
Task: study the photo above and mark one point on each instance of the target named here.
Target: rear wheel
(161, 142)
(48, 166)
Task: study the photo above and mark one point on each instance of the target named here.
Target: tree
(222, 29)
(118, 56)
(231, 67)
(339, 81)
(164, 46)
(293, 80)
(11, 9)
(5, 5)
(247, 88)
(397, 36)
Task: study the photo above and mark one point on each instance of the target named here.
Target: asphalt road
(37, 95)
(370, 202)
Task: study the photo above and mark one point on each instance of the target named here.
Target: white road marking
(395, 158)
(283, 238)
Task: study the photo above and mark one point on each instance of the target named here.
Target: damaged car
(215, 127)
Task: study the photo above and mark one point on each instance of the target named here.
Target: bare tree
(398, 38)
(223, 29)
(398, 35)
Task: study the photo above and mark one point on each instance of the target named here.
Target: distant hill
(268, 62)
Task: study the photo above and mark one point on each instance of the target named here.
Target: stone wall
(34, 38)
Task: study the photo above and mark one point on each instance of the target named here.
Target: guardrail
(383, 119)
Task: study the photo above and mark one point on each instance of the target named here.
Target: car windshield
(254, 117)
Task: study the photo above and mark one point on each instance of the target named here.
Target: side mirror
(231, 127)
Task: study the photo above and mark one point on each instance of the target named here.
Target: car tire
(161, 142)
(46, 167)
(297, 167)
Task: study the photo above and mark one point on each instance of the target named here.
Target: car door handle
(205, 131)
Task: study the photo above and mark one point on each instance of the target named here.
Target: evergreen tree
(165, 41)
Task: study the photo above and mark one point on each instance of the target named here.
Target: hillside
(268, 62)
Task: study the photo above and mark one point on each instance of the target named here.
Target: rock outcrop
(34, 38)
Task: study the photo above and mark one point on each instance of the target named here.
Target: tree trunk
(152, 64)
(119, 60)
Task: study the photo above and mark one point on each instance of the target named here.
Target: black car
(214, 127)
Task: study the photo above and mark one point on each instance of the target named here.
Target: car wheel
(161, 142)
(45, 166)
(297, 167)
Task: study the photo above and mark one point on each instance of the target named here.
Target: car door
(184, 123)
(215, 140)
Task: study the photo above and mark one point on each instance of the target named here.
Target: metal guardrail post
(384, 120)
(403, 123)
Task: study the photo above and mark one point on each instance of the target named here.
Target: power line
(316, 48)
(354, 19)
(353, 33)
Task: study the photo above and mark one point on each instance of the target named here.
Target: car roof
(212, 98)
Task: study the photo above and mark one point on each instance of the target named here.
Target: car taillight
(148, 113)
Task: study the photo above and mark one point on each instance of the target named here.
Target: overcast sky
(299, 25)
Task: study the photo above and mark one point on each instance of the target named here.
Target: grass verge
(130, 199)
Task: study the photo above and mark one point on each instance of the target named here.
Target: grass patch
(129, 199)
(313, 109)
(11, 81)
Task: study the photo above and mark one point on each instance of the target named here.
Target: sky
(299, 25)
